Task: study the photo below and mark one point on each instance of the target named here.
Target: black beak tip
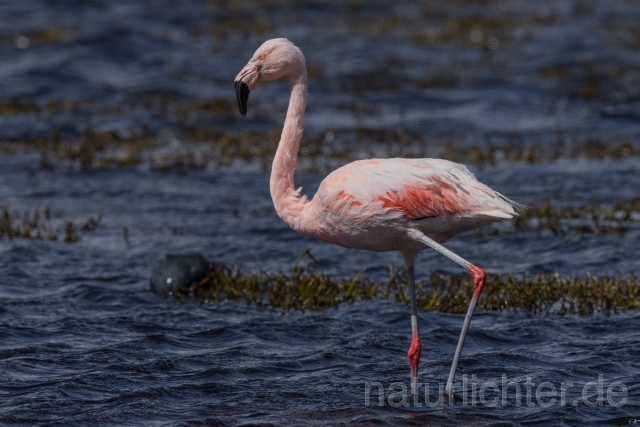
(242, 95)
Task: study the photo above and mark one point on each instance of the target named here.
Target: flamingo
(381, 205)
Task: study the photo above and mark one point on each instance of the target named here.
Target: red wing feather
(435, 200)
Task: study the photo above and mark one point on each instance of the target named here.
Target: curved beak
(242, 95)
(246, 80)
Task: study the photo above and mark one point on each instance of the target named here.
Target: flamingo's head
(274, 59)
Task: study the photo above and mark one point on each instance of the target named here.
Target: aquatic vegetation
(16, 106)
(30, 226)
(196, 147)
(469, 25)
(42, 36)
(215, 106)
(305, 289)
(586, 218)
(604, 82)
(185, 143)
(539, 294)
(590, 218)
(43, 224)
(50, 108)
(465, 26)
(91, 150)
(591, 148)
(421, 22)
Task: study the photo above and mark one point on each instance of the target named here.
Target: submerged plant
(304, 289)
(42, 224)
(593, 218)
(194, 147)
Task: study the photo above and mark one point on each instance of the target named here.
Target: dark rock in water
(178, 271)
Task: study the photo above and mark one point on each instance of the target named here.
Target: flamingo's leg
(416, 347)
(479, 278)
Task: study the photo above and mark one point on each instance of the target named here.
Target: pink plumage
(404, 205)
(437, 197)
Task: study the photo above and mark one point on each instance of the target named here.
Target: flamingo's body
(371, 204)
(381, 205)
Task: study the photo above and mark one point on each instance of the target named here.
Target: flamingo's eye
(262, 56)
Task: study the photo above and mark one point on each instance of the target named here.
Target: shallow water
(83, 340)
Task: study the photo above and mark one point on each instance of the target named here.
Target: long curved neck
(286, 199)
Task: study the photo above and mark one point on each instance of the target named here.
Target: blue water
(84, 342)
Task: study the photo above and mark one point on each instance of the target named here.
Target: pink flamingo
(403, 205)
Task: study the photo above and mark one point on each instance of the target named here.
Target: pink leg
(479, 279)
(416, 347)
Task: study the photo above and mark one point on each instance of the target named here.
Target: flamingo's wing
(415, 188)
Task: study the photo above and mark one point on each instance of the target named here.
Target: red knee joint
(479, 278)
(414, 354)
